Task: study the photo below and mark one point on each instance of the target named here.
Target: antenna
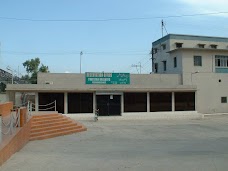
(136, 66)
(163, 27)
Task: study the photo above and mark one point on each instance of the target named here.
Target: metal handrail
(48, 108)
(32, 106)
(48, 103)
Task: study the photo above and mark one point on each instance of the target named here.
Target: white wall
(188, 61)
(3, 98)
(136, 80)
(210, 91)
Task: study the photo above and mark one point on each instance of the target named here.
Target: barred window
(197, 60)
(221, 61)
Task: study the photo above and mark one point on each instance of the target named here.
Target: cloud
(207, 6)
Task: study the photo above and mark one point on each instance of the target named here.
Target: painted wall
(136, 80)
(210, 88)
(3, 98)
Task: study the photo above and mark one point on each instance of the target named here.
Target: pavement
(135, 145)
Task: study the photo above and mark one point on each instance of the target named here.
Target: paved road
(171, 145)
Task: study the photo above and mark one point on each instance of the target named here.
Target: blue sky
(110, 46)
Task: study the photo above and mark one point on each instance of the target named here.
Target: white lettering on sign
(94, 74)
(107, 74)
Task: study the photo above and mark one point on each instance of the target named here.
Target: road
(149, 145)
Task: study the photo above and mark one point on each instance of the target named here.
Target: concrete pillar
(94, 102)
(122, 103)
(196, 104)
(173, 101)
(65, 103)
(36, 101)
(148, 101)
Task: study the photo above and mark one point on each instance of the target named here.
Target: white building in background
(201, 61)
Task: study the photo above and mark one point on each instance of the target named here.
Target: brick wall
(13, 143)
(5, 108)
(23, 116)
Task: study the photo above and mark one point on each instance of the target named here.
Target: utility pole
(152, 58)
(10, 69)
(81, 53)
(136, 66)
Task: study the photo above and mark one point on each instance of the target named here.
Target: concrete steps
(51, 125)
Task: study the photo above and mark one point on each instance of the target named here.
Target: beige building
(190, 75)
(201, 61)
(141, 93)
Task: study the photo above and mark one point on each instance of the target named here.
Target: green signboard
(107, 78)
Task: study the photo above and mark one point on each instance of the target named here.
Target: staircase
(52, 125)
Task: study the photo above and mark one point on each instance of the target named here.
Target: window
(197, 60)
(214, 46)
(221, 61)
(175, 62)
(163, 46)
(217, 62)
(155, 50)
(156, 67)
(164, 65)
(179, 45)
(223, 99)
(201, 45)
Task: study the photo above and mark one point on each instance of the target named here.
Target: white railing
(48, 106)
(52, 106)
(29, 109)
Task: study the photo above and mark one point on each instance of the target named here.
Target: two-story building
(201, 61)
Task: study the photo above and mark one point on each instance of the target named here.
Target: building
(190, 76)
(112, 93)
(182, 54)
(201, 61)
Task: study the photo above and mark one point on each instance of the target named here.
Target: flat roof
(190, 37)
(198, 49)
(89, 88)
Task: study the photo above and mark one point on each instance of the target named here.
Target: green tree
(32, 68)
(32, 65)
(44, 69)
(2, 87)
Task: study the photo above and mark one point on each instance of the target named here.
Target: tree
(32, 65)
(44, 69)
(2, 87)
(32, 68)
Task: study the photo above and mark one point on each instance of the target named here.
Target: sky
(114, 35)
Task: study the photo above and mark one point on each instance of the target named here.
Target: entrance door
(108, 105)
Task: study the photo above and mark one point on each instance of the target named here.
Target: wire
(73, 53)
(110, 19)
